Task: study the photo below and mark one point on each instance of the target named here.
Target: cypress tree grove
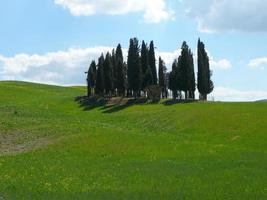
(152, 62)
(108, 72)
(162, 78)
(134, 72)
(113, 76)
(99, 90)
(204, 82)
(91, 79)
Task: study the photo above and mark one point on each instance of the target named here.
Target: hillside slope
(53, 148)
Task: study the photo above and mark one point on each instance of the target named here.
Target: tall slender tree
(108, 71)
(186, 68)
(121, 71)
(114, 71)
(204, 82)
(99, 90)
(152, 62)
(134, 71)
(91, 79)
(144, 65)
(162, 77)
(148, 78)
(191, 75)
(173, 80)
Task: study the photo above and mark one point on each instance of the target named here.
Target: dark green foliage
(114, 71)
(187, 75)
(134, 71)
(182, 63)
(191, 76)
(100, 76)
(182, 76)
(152, 62)
(121, 77)
(173, 79)
(120, 72)
(108, 72)
(148, 78)
(146, 71)
(119, 54)
(162, 77)
(204, 82)
(91, 78)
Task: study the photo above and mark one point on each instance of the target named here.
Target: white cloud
(168, 57)
(223, 64)
(229, 94)
(154, 11)
(221, 15)
(67, 67)
(62, 67)
(258, 63)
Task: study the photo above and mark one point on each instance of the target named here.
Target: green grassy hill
(52, 148)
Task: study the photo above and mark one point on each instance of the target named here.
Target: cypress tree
(148, 78)
(91, 79)
(120, 71)
(114, 71)
(152, 62)
(173, 80)
(182, 63)
(178, 74)
(204, 82)
(144, 64)
(134, 71)
(186, 68)
(119, 54)
(121, 77)
(162, 77)
(108, 79)
(99, 90)
(191, 75)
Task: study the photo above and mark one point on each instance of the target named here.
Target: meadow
(52, 147)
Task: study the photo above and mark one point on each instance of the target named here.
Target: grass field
(52, 148)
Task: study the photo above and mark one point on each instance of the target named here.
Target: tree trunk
(185, 95)
(174, 94)
(205, 97)
(88, 91)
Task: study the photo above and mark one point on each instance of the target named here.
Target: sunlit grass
(52, 149)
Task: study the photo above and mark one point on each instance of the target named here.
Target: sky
(54, 41)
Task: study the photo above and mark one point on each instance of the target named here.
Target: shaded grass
(145, 151)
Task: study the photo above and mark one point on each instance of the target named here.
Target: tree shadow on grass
(126, 104)
(171, 102)
(118, 104)
(90, 103)
(108, 105)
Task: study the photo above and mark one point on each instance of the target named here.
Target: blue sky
(53, 41)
